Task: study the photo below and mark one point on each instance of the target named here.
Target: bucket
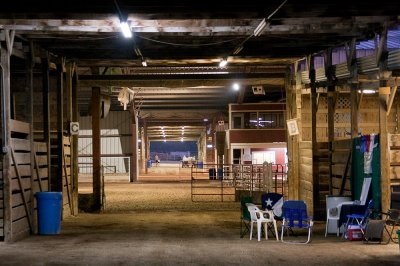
(49, 212)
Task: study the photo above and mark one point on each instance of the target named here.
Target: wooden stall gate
(19, 184)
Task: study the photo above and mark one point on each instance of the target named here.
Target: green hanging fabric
(357, 169)
(376, 175)
(358, 174)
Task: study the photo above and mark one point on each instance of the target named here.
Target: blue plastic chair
(359, 219)
(295, 217)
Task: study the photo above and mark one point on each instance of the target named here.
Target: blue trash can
(49, 205)
(200, 164)
(149, 163)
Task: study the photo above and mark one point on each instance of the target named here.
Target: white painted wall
(116, 142)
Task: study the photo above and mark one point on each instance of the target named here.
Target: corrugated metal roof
(393, 41)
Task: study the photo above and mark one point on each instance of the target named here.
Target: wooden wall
(394, 144)
(306, 166)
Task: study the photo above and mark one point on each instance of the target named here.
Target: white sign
(292, 127)
(74, 128)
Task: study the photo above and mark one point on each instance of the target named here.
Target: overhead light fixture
(238, 49)
(235, 86)
(223, 63)
(260, 28)
(144, 62)
(123, 22)
(138, 52)
(126, 30)
(367, 91)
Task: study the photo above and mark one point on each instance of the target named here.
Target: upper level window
(258, 120)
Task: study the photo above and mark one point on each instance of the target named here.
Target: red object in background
(354, 233)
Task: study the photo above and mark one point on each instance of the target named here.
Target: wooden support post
(95, 110)
(384, 151)
(293, 141)
(74, 145)
(46, 113)
(384, 92)
(134, 159)
(331, 112)
(57, 182)
(30, 63)
(315, 167)
(5, 137)
(68, 111)
(142, 150)
(146, 146)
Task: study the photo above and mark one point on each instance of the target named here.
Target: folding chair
(245, 218)
(358, 221)
(295, 216)
(392, 220)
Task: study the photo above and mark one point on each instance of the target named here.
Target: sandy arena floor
(156, 223)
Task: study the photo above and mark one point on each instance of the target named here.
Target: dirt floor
(156, 223)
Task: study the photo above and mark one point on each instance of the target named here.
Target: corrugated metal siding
(367, 64)
(394, 59)
(342, 71)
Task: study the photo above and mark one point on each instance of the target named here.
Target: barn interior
(73, 85)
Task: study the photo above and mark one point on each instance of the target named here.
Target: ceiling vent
(258, 90)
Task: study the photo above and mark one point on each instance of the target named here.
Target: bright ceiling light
(260, 28)
(209, 145)
(126, 30)
(144, 63)
(223, 62)
(235, 86)
(367, 91)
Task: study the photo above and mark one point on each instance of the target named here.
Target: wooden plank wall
(66, 178)
(40, 173)
(1, 200)
(306, 174)
(340, 156)
(20, 177)
(394, 146)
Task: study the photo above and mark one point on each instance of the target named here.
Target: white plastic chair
(333, 212)
(261, 217)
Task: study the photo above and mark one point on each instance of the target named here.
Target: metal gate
(223, 183)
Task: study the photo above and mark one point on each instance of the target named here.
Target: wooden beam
(5, 137)
(57, 183)
(46, 113)
(74, 145)
(95, 111)
(134, 159)
(382, 45)
(200, 27)
(393, 91)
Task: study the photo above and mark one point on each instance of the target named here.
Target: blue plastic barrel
(149, 163)
(200, 164)
(49, 206)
